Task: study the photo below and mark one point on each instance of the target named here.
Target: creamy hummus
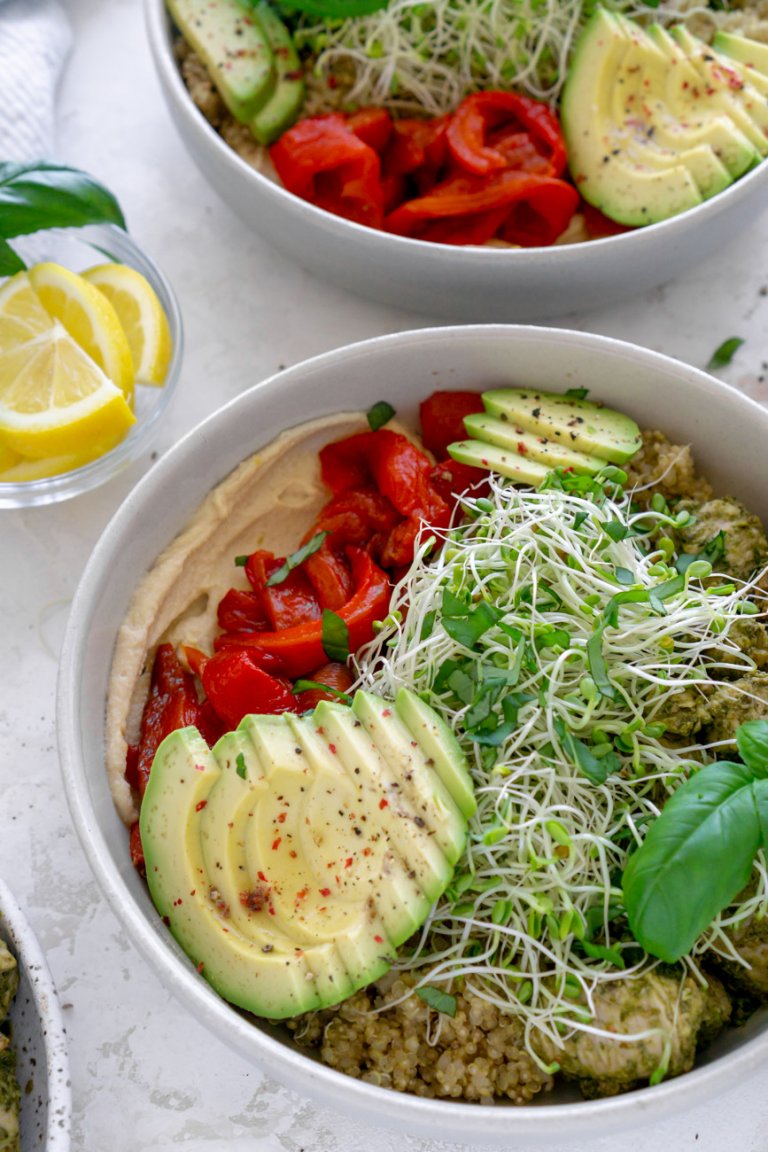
(269, 501)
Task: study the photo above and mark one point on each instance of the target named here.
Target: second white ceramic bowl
(465, 284)
(728, 432)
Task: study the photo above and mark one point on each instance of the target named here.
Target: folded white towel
(34, 40)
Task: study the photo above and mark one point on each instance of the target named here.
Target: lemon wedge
(56, 401)
(89, 319)
(8, 458)
(141, 315)
(22, 316)
(22, 471)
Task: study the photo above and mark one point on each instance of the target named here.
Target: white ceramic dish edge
(476, 355)
(38, 1037)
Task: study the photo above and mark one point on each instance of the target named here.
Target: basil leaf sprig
(37, 196)
(698, 854)
(295, 559)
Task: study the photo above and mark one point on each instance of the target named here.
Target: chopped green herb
(316, 686)
(437, 999)
(296, 558)
(577, 393)
(241, 561)
(335, 637)
(240, 767)
(725, 353)
(381, 413)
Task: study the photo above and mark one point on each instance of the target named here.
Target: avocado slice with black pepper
(292, 859)
(234, 49)
(286, 101)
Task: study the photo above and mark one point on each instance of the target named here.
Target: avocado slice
(293, 858)
(647, 140)
(286, 101)
(440, 745)
(581, 424)
(234, 49)
(751, 53)
(534, 446)
(505, 461)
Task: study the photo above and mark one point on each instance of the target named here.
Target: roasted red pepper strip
(240, 610)
(334, 675)
(373, 126)
(292, 601)
(459, 201)
(322, 161)
(236, 686)
(450, 479)
(171, 704)
(329, 574)
(300, 649)
(487, 134)
(441, 417)
(418, 149)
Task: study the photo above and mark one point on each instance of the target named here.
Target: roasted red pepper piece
(371, 125)
(136, 849)
(488, 131)
(345, 464)
(328, 572)
(236, 686)
(457, 211)
(402, 471)
(300, 649)
(356, 517)
(441, 417)
(172, 703)
(418, 149)
(292, 601)
(321, 160)
(240, 610)
(334, 675)
(450, 479)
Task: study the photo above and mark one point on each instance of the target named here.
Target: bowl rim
(30, 956)
(119, 246)
(158, 21)
(417, 1115)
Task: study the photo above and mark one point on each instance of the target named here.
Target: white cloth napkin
(34, 40)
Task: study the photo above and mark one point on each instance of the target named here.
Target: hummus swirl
(269, 501)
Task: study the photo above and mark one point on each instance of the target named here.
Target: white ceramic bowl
(728, 433)
(42, 1063)
(464, 284)
(78, 249)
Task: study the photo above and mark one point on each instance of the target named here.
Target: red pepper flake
(281, 818)
(348, 862)
(383, 803)
(379, 939)
(521, 448)
(261, 876)
(199, 807)
(271, 910)
(366, 851)
(302, 893)
(200, 967)
(325, 891)
(193, 891)
(276, 843)
(292, 854)
(387, 712)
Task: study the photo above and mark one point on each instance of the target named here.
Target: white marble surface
(146, 1076)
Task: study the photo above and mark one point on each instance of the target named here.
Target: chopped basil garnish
(379, 415)
(577, 393)
(295, 559)
(725, 353)
(437, 999)
(240, 765)
(316, 686)
(241, 561)
(335, 637)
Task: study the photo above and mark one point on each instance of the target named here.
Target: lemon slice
(56, 401)
(141, 315)
(89, 318)
(22, 471)
(8, 458)
(22, 316)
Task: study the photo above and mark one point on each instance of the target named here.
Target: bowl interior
(727, 432)
(38, 1038)
(78, 249)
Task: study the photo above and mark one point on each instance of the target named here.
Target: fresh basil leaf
(241, 561)
(579, 519)
(240, 767)
(725, 353)
(437, 999)
(335, 637)
(662, 592)
(452, 605)
(752, 743)
(296, 558)
(576, 393)
(379, 415)
(427, 625)
(40, 195)
(696, 857)
(492, 735)
(316, 686)
(10, 261)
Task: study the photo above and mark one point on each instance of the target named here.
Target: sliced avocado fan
(657, 121)
(293, 859)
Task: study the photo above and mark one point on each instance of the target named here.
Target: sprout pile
(553, 630)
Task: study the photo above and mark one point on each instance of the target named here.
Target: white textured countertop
(145, 1075)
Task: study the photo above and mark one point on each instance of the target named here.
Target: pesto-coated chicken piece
(671, 1012)
(744, 540)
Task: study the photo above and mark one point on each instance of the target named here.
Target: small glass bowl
(78, 249)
